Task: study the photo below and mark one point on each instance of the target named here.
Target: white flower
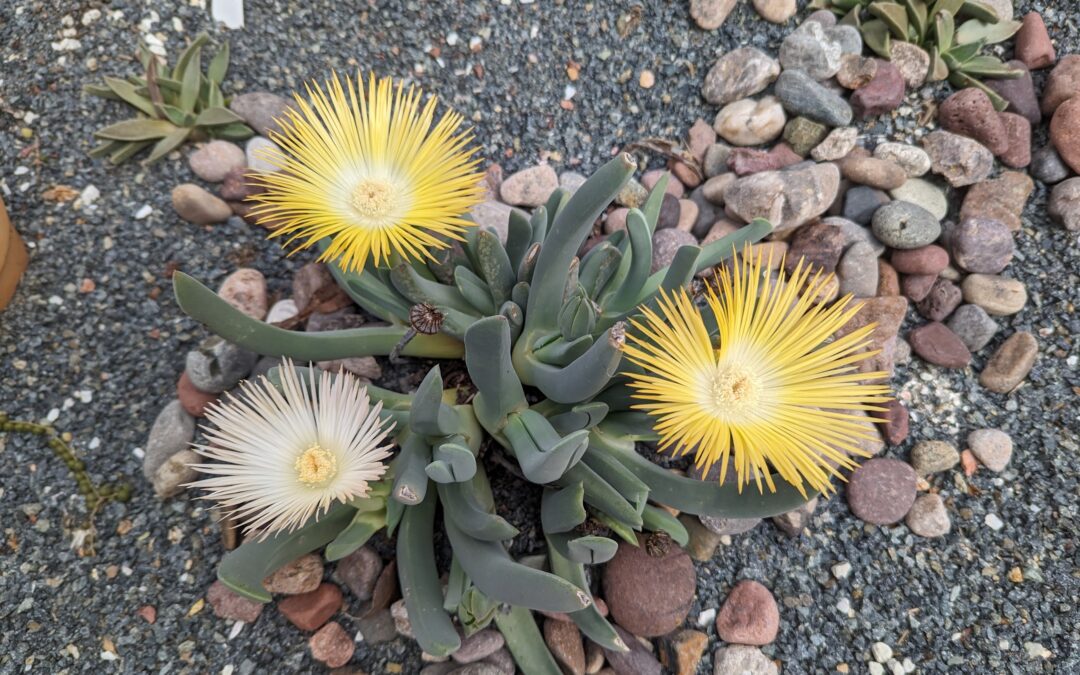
(285, 456)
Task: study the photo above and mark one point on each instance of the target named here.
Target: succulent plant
(173, 106)
(541, 333)
(955, 50)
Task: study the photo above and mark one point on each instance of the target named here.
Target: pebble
(944, 297)
(794, 522)
(803, 134)
(309, 611)
(710, 14)
(172, 431)
(1011, 363)
(973, 326)
(999, 296)
(564, 640)
(877, 173)
(170, 478)
(1064, 204)
(684, 650)
(912, 61)
(992, 447)
(856, 71)
(836, 145)
(1062, 84)
(935, 343)
(913, 160)
(862, 202)
(302, 575)
(1033, 45)
(749, 615)
(716, 157)
(802, 95)
(332, 645)
(930, 259)
(1019, 92)
(823, 16)
(666, 243)
(739, 74)
(897, 423)
(858, 271)
(915, 287)
(1065, 132)
(245, 289)
(214, 160)
(930, 457)
(881, 491)
(882, 94)
(886, 313)
(888, 279)
(261, 110)
(195, 205)
(745, 161)
(703, 541)
(742, 660)
(236, 185)
(359, 571)
(700, 136)
(713, 189)
(1046, 166)
(981, 245)
(787, 199)
(855, 233)
(675, 188)
(961, 160)
(1018, 137)
(194, 401)
(970, 113)
(751, 122)
(707, 213)
(775, 11)
(849, 38)
(688, 214)
(809, 50)
(649, 596)
(925, 193)
(529, 187)
(479, 645)
(905, 225)
(257, 152)
(217, 365)
(227, 604)
(377, 627)
(1002, 198)
(817, 245)
(632, 195)
(928, 518)
(993, 522)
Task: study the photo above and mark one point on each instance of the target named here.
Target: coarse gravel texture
(106, 361)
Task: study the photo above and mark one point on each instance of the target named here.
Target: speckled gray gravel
(107, 360)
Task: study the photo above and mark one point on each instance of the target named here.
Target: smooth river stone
(905, 225)
(738, 74)
(749, 122)
(802, 95)
(881, 491)
(1011, 363)
(924, 193)
(999, 296)
(982, 245)
(935, 343)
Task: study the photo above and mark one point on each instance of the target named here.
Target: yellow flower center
(315, 466)
(732, 390)
(373, 198)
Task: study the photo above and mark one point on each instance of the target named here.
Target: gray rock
(256, 150)
(861, 202)
(479, 645)
(787, 199)
(981, 245)
(217, 365)
(961, 160)
(973, 326)
(802, 95)
(571, 181)
(848, 37)
(493, 215)
(928, 516)
(377, 628)
(810, 50)
(905, 225)
(853, 232)
(992, 447)
(742, 660)
(707, 213)
(359, 570)
(716, 157)
(666, 243)
(261, 110)
(1047, 166)
(925, 193)
(858, 271)
(172, 432)
(910, 158)
(930, 457)
(1064, 204)
(740, 73)
(638, 661)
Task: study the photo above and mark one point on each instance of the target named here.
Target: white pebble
(841, 570)
(89, 195)
(56, 300)
(108, 656)
(94, 443)
(236, 628)
(452, 39)
(21, 171)
(908, 664)
(993, 522)
(139, 453)
(84, 395)
(706, 617)
(882, 652)
(90, 16)
(143, 212)
(876, 668)
(53, 415)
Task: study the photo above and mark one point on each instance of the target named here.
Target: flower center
(315, 466)
(732, 390)
(373, 198)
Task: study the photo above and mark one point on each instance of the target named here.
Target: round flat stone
(928, 517)
(905, 225)
(938, 345)
(992, 447)
(881, 491)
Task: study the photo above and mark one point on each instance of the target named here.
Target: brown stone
(745, 161)
(1062, 84)
(749, 615)
(817, 245)
(888, 280)
(686, 175)
(882, 94)
(683, 650)
(970, 113)
(700, 136)
(710, 14)
(881, 491)
(939, 303)
(1001, 198)
(1065, 132)
(309, 611)
(302, 575)
(915, 287)
(887, 313)
(332, 645)
(228, 604)
(1018, 137)
(1033, 45)
(935, 343)
(1011, 363)
(877, 173)
(896, 424)
(193, 399)
(649, 596)
(930, 259)
(564, 640)
(856, 71)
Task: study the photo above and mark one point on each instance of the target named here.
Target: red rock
(1001, 198)
(882, 94)
(687, 176)
(649, 596)
(1019, 92)
(564, 640)
(1018, 136)
(701, 136)
(895, 427)
(939, 303)
(745, 161)
(749, 615)
(193, 399)
(1033, 45)
(332, 645)
(881, 491)
(1065, 132)
(309, 611)
(302, 575)
(817, 245)
(148, 614)
(887, 313)
(239, 184)
(675, 188)
(915, 287)
(970, 113)
(228, 604)
(931, 259)
(1062, 84)
(935, 343)
(888, 280)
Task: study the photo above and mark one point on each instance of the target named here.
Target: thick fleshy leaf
(894, 15)
(219, 65)
(212, 117)
(525, 642)
(168, 144)
(991, 33)
(136, 130)
(420, 583)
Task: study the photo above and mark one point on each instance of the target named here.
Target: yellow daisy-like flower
(770, 388)
(372, 171)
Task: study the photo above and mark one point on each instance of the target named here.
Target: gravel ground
(104, 362)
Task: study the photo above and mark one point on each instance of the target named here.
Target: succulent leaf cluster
(540, 329)
(953, 33)
(172, 105)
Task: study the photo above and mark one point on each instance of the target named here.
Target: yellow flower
(767, 386)
(372, 171)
